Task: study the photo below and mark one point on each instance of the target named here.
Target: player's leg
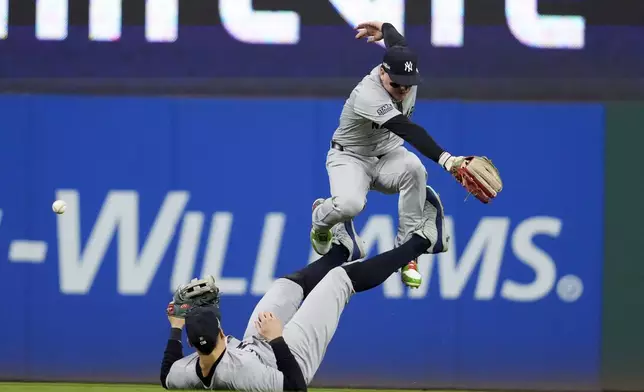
(286, 294)
(346, 245)
(430, 236)
(402, 172)
(349, 180)
(311, 329)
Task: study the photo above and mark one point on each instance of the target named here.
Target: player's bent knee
(415, 170)
(349, 207)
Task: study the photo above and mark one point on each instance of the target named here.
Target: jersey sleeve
(375, 106)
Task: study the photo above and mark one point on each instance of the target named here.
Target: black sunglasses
(396, 85)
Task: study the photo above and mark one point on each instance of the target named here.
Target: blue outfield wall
(161, 190)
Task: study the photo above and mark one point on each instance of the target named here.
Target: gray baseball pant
(352, 176)
(308, 326)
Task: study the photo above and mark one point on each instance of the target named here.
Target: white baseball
(59, 207)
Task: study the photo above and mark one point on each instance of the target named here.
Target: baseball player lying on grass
(367, 151)
(291, 326)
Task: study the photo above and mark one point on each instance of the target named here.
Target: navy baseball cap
(401, 63)
(203, 324)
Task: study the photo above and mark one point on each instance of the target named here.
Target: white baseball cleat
(321, 240)
(433, 229)
(345, 234)
(433, 226)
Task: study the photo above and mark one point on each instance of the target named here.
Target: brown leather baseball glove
(479, 177)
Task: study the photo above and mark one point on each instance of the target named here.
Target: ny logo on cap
(409, 66)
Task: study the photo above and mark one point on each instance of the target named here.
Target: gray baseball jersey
(367, 108)
(240, 369)
(309, 326)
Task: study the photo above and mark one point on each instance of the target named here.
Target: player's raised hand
(175, 322)
(269, 326)
(371, 30)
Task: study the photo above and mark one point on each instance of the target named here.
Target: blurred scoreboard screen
(544, 39)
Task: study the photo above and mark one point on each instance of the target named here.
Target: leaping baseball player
(367, 151)
(292, 325)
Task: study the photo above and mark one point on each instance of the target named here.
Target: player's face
(397, 91)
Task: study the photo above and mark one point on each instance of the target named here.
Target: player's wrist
(276, 339)
(175, 333)
(446, 160)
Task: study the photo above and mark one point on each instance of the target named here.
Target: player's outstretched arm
(478, 175)
(173, 349)
(418, 137)
(375, 105)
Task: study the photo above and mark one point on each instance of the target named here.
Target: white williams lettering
(486, 245)
(119, 214)
(268, 253)
(118, 223)
(483, 264)
(541, 263)
(485, 248)
(216, 250)
(187, 248)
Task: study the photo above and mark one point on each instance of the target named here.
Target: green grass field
(71, 387)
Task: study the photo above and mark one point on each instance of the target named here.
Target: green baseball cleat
(321, 240)
(410, 275)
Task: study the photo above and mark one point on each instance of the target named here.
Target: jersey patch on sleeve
(384, 109)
